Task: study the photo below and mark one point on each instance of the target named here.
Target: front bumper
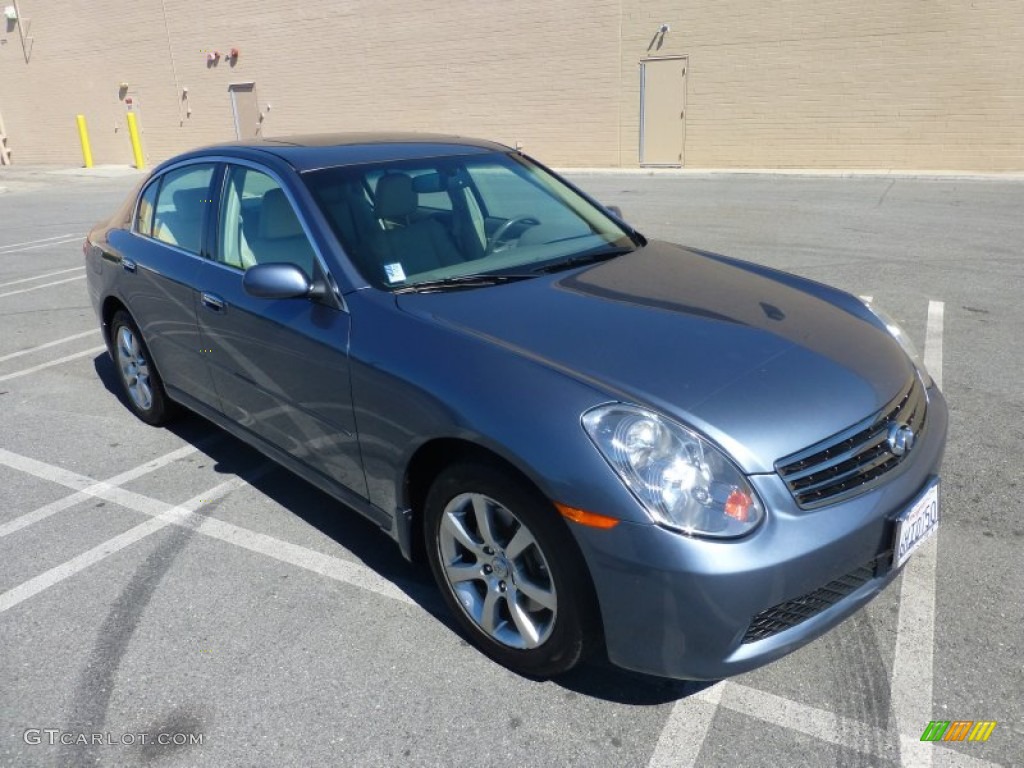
(683, 607)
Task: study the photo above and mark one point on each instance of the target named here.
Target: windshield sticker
(394, 272)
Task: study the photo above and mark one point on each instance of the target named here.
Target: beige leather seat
(281, 237)
(184, 225)
(419, 245)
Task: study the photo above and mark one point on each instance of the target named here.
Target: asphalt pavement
(169, 585)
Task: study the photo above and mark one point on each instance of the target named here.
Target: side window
(144, 217)
(258, 224)
(180, 204)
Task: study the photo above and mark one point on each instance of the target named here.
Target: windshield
(425, 220)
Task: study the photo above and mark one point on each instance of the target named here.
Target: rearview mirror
(276, 281)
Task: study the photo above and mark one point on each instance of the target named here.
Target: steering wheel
(498, 237)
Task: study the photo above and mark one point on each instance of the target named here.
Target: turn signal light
(583, 517)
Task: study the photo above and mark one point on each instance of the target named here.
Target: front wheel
(509, 570)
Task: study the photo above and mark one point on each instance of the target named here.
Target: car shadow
(600, 679)
(375, 549)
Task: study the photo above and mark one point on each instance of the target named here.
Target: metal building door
(662, 111)
(245, 109)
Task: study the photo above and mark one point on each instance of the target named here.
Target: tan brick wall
(539, 75)
(902, 84)
(899, 84)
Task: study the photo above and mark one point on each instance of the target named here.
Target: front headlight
(683, 481)
(896, 331)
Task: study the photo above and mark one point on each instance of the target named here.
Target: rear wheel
(139, 378)
(509, 570)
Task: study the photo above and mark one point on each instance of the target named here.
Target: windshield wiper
(461, 281)
(579, 260)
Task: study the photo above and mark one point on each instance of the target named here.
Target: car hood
(762, 362)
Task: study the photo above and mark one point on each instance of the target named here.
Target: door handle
(128, 265)
(212, 302)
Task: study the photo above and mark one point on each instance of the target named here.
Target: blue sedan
(595, 441)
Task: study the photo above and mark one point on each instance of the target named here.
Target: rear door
(280, 367)
(161, 262)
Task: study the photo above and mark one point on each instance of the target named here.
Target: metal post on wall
(83, 136)
(133, 133)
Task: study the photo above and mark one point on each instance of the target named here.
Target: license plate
(916, 525)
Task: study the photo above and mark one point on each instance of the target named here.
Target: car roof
(325, 150)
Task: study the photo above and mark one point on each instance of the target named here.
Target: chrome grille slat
(856, 459)
(874, 440)
(856, 471)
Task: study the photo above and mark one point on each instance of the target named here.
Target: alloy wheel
(134, 368)
(497, 571)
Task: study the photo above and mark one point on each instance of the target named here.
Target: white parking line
(44, 285)
(89, 491)
(48, 344)
(39, 240)
(47, 579)
(687, 728)
(40, 277)
(819, 723)
(814, 722)
(58, 361)
(55, 243)
(334, 568)
(933, 340)
(913, 666)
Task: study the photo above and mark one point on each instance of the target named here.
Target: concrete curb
(28, 178)
(38, 173)
(1014, 176)
(99, 171)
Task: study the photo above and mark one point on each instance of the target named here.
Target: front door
(245, 109)
(280, 366)
(662, 111)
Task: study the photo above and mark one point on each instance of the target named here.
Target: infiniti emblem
(901, 439)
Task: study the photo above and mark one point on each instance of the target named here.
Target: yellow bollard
(133, 132)
(83, 135)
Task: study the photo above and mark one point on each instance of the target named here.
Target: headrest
(277, 219)
(396, 197)
(428, 182)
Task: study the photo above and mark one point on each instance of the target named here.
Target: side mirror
(276, 281)
(615, 211)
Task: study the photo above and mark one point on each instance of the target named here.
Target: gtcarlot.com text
(53, 736)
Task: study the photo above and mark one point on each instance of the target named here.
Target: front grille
(856, 459)
(792, 612)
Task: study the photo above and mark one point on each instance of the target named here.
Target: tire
(509, 570)
(141, 383)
